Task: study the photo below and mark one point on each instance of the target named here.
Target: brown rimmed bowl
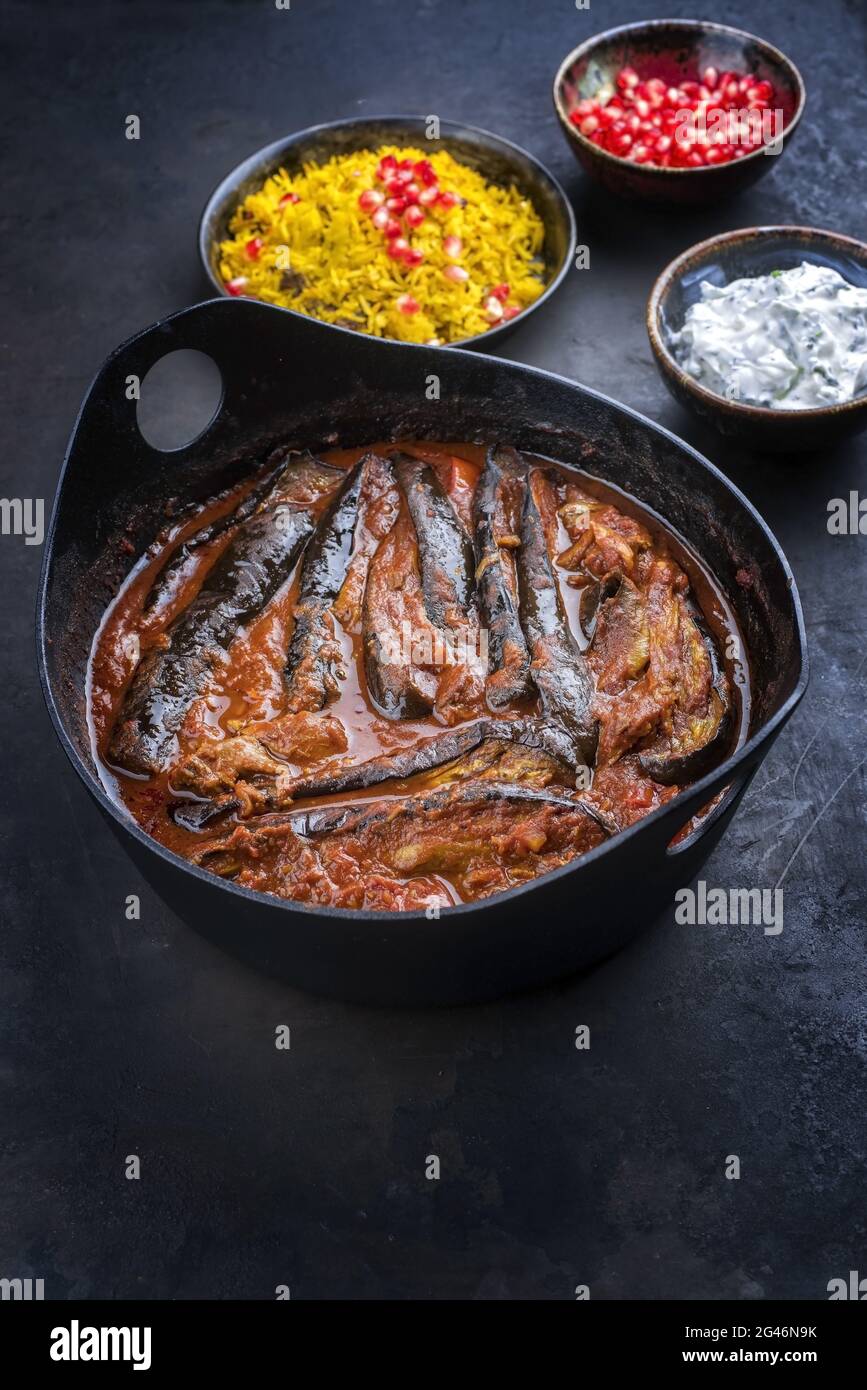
(675, 50)
(732, 256)
(498, 160)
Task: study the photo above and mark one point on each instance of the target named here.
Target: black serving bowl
(288, 378)
(675, 50)
(497, 159)
(732, 256)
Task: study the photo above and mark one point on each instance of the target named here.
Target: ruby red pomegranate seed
(371, 199)
(644, 121)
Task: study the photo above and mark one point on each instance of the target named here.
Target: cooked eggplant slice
(470, 827)
(620, 634)
(592, 597)
(478, 793)
(445, 552)
(508, 656)
(313, 662)
(168, 679)
(702, 718)
(169, 577)
(276, 793)
(393, 608)
(694, 749)
(558, 668)
(257, 560)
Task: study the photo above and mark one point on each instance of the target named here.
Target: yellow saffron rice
(321, 255)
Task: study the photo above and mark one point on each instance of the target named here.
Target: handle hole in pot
(702, 819)
(178, 399)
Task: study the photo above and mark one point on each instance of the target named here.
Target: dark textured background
(307, 1167)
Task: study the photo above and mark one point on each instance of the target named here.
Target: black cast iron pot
(316, 386)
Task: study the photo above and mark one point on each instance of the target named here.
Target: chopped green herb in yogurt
(791, 340)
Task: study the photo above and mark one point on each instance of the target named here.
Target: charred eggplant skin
(248, 573)
(677, 768)
(329, 819)
(558, 668)
(424, 757)
(508, 657)
(322, 573)
(165, 580)
(444, 548)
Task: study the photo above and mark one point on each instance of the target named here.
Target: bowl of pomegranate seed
(417, 230)
(677, 111)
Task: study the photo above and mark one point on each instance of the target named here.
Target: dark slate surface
(307, 1167)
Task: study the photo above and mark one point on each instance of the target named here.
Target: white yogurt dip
(791, 340)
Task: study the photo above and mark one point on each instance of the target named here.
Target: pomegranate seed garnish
(253, 247)
(456, 273)
(453, 246)
(237, 285)
(386, 167)
(510, 310)
(424, 172)
(381, 219)
(414, 217)
(429, 195)
(371, 199)
(500, 292)
(397, 248)
(406, 164)
(406, 304)
(626, 79)
(493, 309)
(709, 77)
(393, 228)
(396, 205)
(411, 192)
(450, 200)
(588, 125)
(413, 256)
(289, 198)
(404, 176)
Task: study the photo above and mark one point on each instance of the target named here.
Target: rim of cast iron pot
(619, 841)
(699, 26)
(669, 362)
(230, 183)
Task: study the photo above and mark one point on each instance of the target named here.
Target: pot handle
(200, 328)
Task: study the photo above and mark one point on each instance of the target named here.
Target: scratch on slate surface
(812, 826)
